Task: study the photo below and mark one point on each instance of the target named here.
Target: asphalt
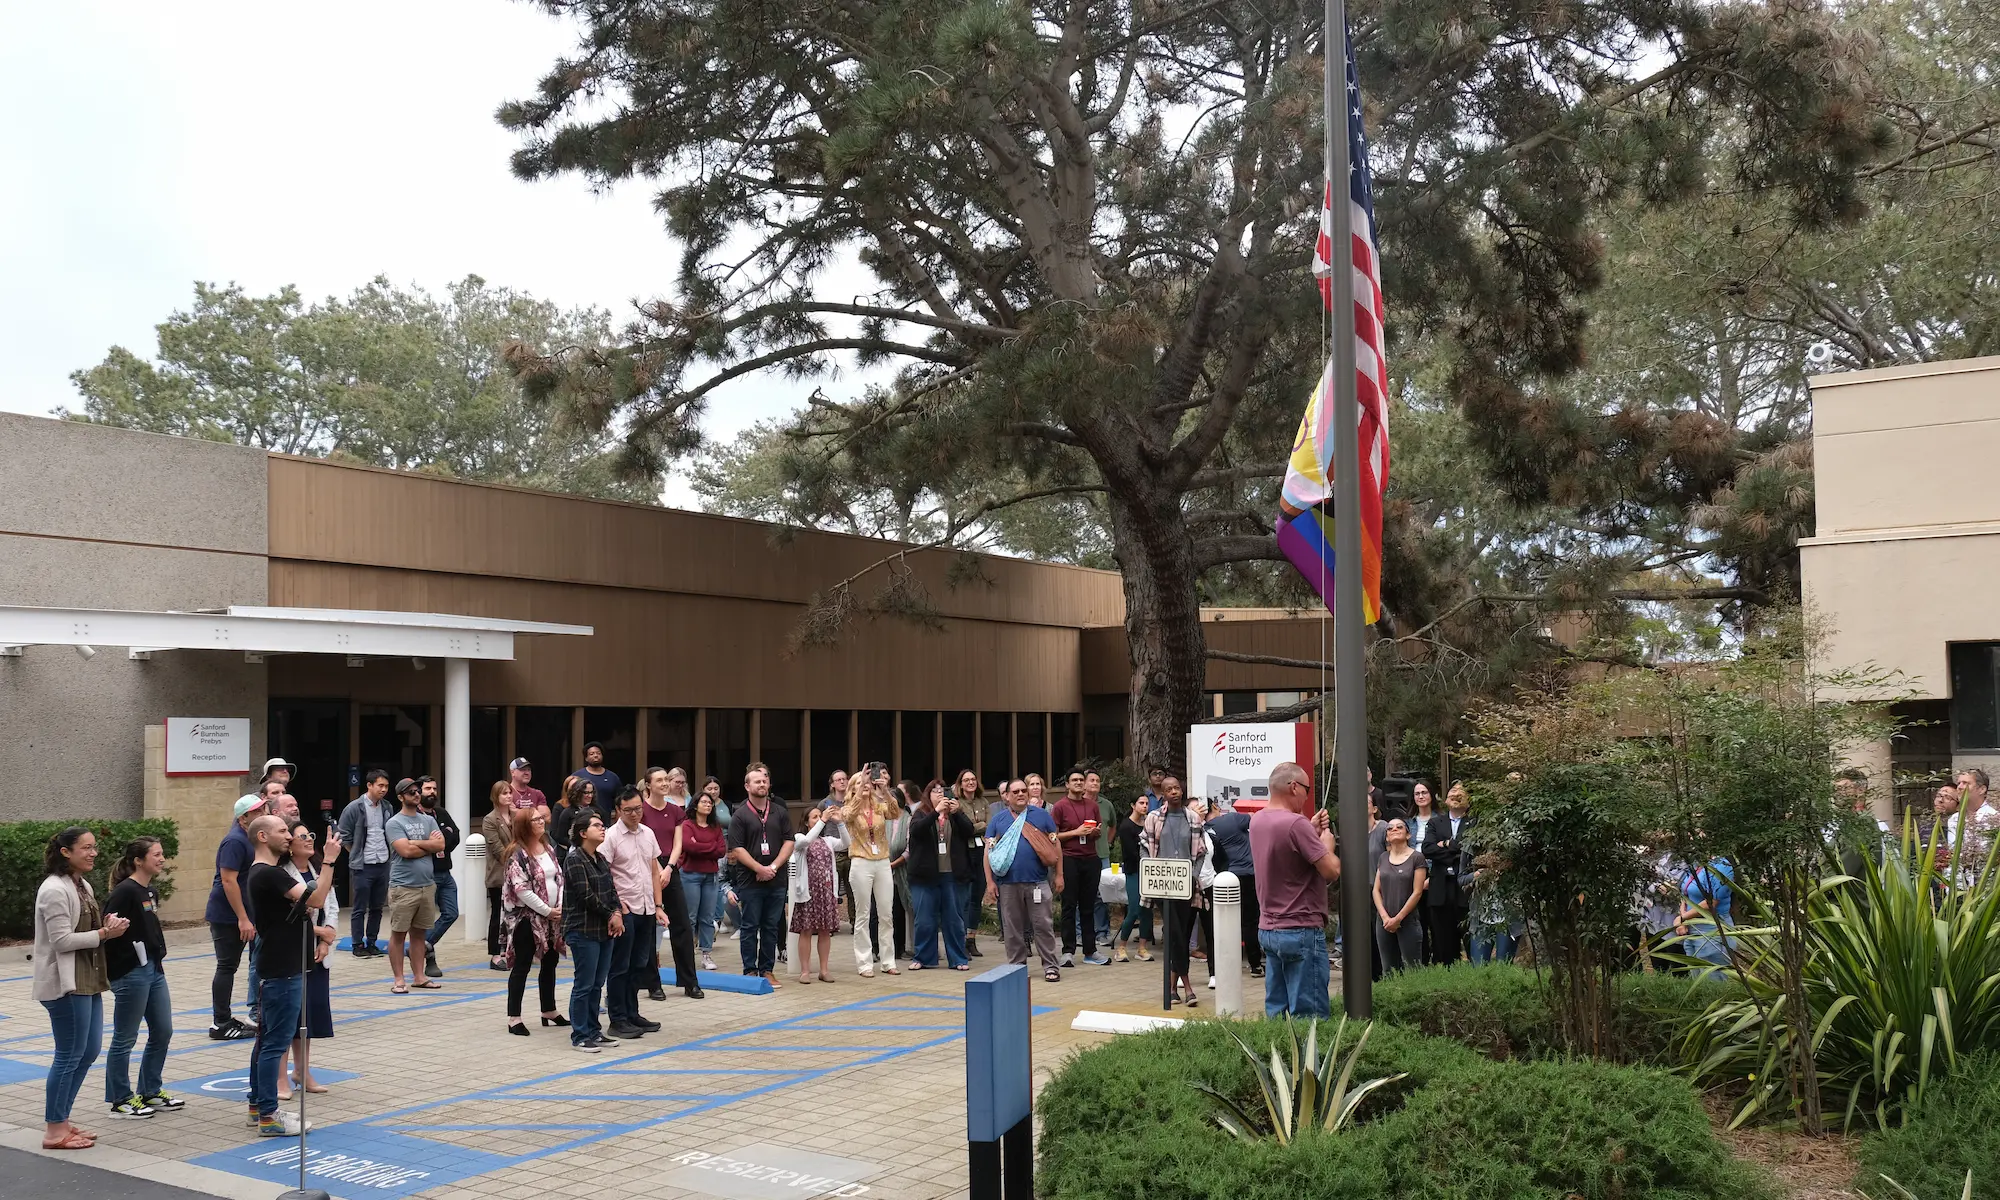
(25, 1176)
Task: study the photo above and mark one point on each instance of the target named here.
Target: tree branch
(1212, 552)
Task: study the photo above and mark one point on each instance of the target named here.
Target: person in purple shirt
(1295, 861)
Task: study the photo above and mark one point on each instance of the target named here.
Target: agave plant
(1902, 978)
(1304, 1089)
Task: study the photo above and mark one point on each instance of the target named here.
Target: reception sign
(208, 745)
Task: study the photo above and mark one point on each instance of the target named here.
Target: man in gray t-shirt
(413, 836)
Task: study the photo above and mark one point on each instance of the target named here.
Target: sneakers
(624, 1032)
(707, 963)
(585, 1047)
(161, 1100)
(130, 1109)
(1097, 960)
(280, 1124)
(645, 1026)
(1068, 959)
(431, 966)
(229, 1031)
(252, 1119)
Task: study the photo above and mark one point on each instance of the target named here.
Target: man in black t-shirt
(282, 908)
(760, 853)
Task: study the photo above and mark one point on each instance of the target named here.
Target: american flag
(1305, 517)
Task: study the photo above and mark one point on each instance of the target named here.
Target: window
(1063, 750)
(313, 734)
(489, 754)
(1030, 744)
(1238, 702)
(920, 763)
(829, 747)
(875, 735)
(961, 738)
(670, 742)
(618, 730)
(1975, 715)
(996, 747)
(541, 735)
(778, 746)
(729, 749)
(395, 738)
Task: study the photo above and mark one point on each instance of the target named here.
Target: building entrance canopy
(357, 633)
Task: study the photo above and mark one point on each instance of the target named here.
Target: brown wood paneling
(680, 650)
(336, 513)
(1107, 669)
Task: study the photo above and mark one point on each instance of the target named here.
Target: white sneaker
(1211, 981)
(707, 963)
(1069, 960)
(280, 1124)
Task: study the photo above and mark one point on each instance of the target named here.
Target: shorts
(412, 908)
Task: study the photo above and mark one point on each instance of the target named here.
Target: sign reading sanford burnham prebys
(208, 745)
(1235, 760)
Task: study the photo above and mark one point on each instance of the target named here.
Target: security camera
(1819, 354)
(87, 652)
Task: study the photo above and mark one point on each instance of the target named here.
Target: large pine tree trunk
(1162, 625)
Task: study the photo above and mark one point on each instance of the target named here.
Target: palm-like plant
(1304, 1089)
(1902, 978)
(1904, 1193)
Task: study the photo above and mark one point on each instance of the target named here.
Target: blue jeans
(1296, 973)
(938, 910)
(1138, 913)
(763, 930)
(704, 900)
(140, 994)
(447, 902)
(368, 886)
(281, 999)
(1103, 909)
(1494, 945)
(78, 1023)
(592, 959)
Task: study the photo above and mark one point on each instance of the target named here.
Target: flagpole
(1349, 669)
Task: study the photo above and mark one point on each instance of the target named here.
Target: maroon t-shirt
(1290, 892)
(525, 796)
(1069, 814)
(662, 821)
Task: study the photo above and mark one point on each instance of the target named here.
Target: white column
(458, 786)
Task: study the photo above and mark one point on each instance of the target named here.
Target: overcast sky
(150, 145)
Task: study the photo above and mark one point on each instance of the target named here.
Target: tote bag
(1010, 842)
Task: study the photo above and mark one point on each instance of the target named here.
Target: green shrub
(1954, 1129)
(1122, 1122)
(1503, 1010)
(23, 845)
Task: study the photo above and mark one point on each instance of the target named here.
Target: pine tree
(1089, 226)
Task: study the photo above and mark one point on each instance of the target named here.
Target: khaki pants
(1022, 915)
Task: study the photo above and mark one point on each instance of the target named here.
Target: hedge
(1954, 1130)
(23, 845)
(1502, 1010)
(1120, 1122)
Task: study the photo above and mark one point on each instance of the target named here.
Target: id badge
(873, 849)
(944, 848)
(764, 848)
(1038, 895)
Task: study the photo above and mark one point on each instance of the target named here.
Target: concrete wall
(1906, 557)
(200, 806)
(105, 518)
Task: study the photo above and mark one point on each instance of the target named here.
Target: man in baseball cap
(521, 773)
(230, 928)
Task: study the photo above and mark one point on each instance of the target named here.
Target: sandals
(401, 989)
(804, 979)
(73, 1140)
(1049, 974)
(429, 985)
(915, 965)
(963, 967)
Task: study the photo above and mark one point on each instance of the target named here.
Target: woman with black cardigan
(939, 851)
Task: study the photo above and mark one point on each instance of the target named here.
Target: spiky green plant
(1304, 1089)
(1902, 975)
(1906, 1194)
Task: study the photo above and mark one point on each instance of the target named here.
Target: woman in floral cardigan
(531, 929)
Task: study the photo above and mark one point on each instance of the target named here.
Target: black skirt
(319, 1003)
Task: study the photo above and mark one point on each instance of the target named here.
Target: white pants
(872, 885)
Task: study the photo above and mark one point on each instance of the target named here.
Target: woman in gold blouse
(868, 816)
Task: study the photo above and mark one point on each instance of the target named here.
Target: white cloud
(149, 145)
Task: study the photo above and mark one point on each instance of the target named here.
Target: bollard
(472, 894)
(1227, 964)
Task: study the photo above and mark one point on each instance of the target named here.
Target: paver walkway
(431, 1097)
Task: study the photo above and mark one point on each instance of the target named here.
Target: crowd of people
(610, 869)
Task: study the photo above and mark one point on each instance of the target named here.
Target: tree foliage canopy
(388, 376)
(1088, 224)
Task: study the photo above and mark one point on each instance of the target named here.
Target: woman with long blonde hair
(868, 816)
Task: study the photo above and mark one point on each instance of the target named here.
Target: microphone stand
(302, 1192)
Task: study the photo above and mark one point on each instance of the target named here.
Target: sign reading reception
(208, 745)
